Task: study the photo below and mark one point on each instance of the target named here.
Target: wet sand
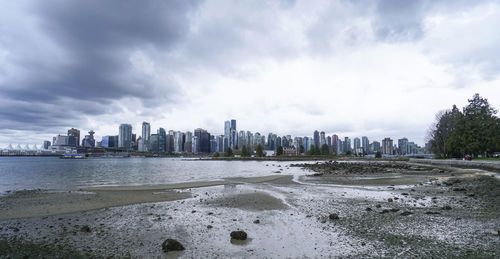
(419, 213)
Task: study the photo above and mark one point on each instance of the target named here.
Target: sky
(347, 67)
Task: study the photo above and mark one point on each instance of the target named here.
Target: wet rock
(406, 213)
(171, 245)
(368, 209)
(447, 207)
(404, 193)
(333, 216)
(194, 211)
(390, 200)
(209, 226)
(394, 210)
(86, 229)
(495, 232)
(277, 172)
(239, 235)
(378, 206)
(459, 189)
(256, 221)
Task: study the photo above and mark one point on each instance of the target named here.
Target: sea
(30, 173)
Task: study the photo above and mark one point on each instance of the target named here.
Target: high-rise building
(347, 145)
(322, 139)
(89, 140)
(403, 146)
(162, 140)
(125, 136)
(154, 143)
(75, 133)
(375, 146)
(203, 138)
(365, 143)
(220, 143)
(316, 138)
(387, 146)
(335, 144)
(357, 143)
(188, 144)
(109, 141)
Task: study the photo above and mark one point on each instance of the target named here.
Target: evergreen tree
(259, 151)
(229, 152)
(244, 151)
(279, 151)
(325, 150)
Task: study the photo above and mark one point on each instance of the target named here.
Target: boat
(73, 155)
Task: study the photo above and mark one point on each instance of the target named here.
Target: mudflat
(386, 209)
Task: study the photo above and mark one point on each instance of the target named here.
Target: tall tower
(125, 136)
(146, 131)
(76, 134)
(316, 138)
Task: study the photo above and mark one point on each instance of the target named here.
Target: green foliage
(325, 149)
(244, 151)
(216, 154)
(378, 154)
(259, 151)
(229, 152)
(279, 151)
(301, 149)
(314, 151)
(474, 131)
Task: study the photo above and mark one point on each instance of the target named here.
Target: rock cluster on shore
(348, 168)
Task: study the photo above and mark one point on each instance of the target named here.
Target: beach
(388, 209)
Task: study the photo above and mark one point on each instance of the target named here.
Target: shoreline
(43, 203)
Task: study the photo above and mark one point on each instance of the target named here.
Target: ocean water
(19, 173)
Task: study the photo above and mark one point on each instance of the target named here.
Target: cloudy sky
(374, 68)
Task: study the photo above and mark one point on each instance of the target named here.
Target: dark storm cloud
(92, 43)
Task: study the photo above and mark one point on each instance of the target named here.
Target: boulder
(86, 229)
(171, 245)
(333, 216)
(406, 213)
(239, 235)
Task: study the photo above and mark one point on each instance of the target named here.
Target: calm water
(18, 173)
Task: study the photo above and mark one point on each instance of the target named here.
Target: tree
(301, 149)
(474, 131)
(325, 149)
(279, 151)
(216, 154)
(378, 154)
(481, 126)
(259, 151)
(244, 151)
(229, 152)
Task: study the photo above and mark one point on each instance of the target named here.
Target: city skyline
(376, 69)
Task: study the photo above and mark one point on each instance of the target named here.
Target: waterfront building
(46, 144)
(322, 139)
(347, 145)
(89, 141)
(109, 141)
(375, 146)
(403, 146)
(76, 134)
(162, 140)
(220, 143)
(196, 144)
(357, 146)
(203, 138)
(125, 136)
(154, 143)
(61, 140)
(340, 147)
(387, 146)
(335, 144)
(188, 144)
(316, 138)
(179, 139)
(213, 144)
(365, 143)
(278, 142)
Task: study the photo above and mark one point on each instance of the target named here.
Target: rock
(368, 209)
(471, 194)
(239, 235)
(209, 226)
(277, 172)
(86, 229)
(333, 216)
(394, 210)
(378, 206)
(171, 245)
(432, 213)
(495, 232)
(256, 221)
(447, 207)
(404, 193)
(384, 211)
(390, 200)
(459, 189)
(406, 213)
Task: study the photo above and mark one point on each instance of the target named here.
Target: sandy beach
(391, 210)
